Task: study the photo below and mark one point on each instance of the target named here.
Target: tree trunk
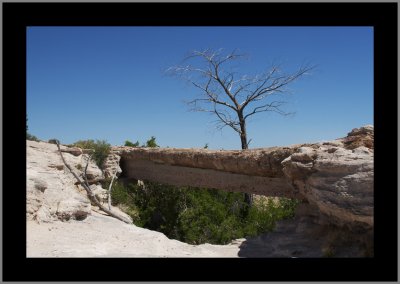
(243, 140)
(248, 197)
(243, 133)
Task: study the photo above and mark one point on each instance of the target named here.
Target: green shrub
(212, 216)
(130, 144)
(53, 141)
(31, 137)
(151, 143)
(125, 197)
(121, 194)
(198, 215)
(101, 149)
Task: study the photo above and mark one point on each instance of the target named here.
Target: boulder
(76, 207)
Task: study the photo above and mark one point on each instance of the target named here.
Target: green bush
(197, 215)
(123, 196)
(53, 141)
(31, 137)
(101, 149)
(212, 216)
(151, 143)
(130, 144)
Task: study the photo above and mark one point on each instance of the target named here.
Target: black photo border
(18, 16)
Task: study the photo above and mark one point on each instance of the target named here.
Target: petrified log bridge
(252, 171)
(335, 176)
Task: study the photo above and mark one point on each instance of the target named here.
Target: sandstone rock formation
(338, 181)
(104, 236)
(254, 171)
(334, 179)
(363, 136)
(52, 191)
(305, 236)
(111, 165)
(336, 176)
(51, 194)
(61, 222)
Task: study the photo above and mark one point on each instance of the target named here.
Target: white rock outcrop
(61, 222)
(52, 191)
(337, 180)
(334, 178)
(111, 165)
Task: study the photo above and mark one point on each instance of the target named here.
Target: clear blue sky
(109, 83)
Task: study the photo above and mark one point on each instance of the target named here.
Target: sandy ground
(103, 236)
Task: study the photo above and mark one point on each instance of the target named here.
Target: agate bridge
(336, 176)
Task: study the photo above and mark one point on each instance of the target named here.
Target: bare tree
(231, 97)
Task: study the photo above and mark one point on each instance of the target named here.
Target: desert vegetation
(199, 215)
(149, 143)
(100, 149)
(190, 214)
(28, 135)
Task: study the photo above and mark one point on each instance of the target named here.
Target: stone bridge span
(335, 176)
(252, 171)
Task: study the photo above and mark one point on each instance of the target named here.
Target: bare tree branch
(274, 106)
(109, 190)
(221, 88)
(89, 192)
(211, 96)
(227, 121)
(87, 164)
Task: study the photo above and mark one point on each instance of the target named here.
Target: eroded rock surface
(338, 181)
(363, 136)
(104, 236)
(111, 165)
(334, 179)
(336, 176)
(308, 235)
(61, 222)
(52, 191)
